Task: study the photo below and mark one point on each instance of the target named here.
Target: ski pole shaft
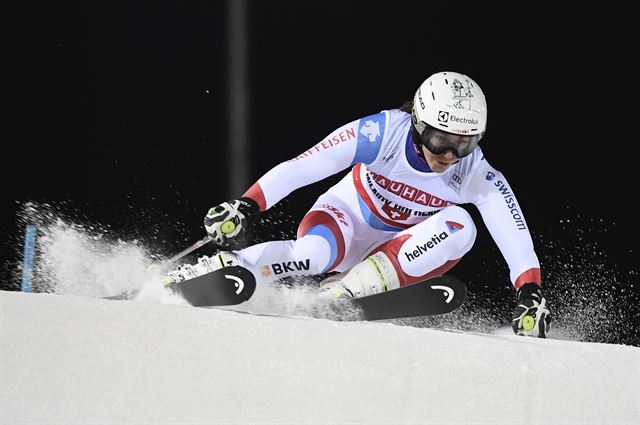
(192, 248)
(29, 250)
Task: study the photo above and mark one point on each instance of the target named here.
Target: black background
(128, 124)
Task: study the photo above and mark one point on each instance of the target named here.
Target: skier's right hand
(229, 223)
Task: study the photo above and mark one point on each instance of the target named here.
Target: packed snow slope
(82, 360)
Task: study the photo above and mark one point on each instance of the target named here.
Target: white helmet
(450, 102)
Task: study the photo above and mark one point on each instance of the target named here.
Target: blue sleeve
(370, 135)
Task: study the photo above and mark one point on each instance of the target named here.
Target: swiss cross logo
(265, 271)
(443, 116)
(395, 214)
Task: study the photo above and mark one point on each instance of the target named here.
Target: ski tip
(227, 286)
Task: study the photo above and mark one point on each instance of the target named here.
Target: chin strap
(415, 136)
(420, 153)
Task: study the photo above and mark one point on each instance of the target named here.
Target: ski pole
(189, 250)
(128, 294)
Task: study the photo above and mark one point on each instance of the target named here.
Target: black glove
(229, 223)
(531, 315)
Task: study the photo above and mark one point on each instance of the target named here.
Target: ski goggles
(438, 142)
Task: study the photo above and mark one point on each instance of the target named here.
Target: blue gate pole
(29, 250)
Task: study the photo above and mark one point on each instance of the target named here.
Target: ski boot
(374, 275)
(204, 265)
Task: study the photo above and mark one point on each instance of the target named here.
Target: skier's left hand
(531, 315)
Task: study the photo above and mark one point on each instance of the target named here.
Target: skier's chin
(440, 166)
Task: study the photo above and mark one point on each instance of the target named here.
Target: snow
(76, 359)
(67, 356)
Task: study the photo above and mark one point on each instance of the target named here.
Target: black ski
(437, 295)
(228, 286)
(235, 285)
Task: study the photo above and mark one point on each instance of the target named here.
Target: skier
(395, 218)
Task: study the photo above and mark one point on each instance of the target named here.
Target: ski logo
(239, 283)
(290, 266)
(448, 292)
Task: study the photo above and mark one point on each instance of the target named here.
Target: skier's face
(439, 163)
